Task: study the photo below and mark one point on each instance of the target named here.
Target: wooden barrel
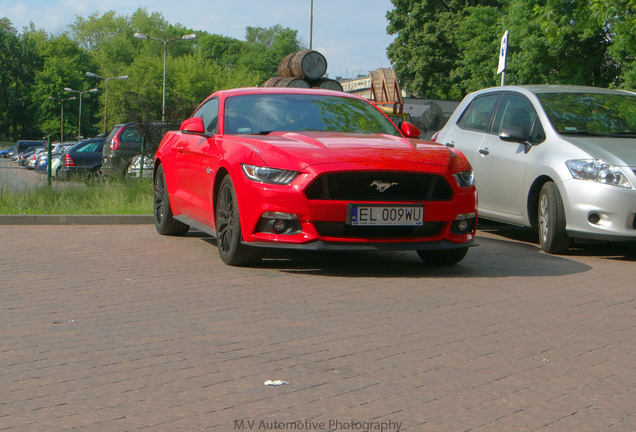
(327, 84)
(271, 82)
(286, 82)
(307, 63)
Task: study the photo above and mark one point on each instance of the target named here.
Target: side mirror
(193, 125)
(410, 130)
(513, 134)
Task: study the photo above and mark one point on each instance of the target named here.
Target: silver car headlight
(465, 178)
(598, 171)
(269, 175)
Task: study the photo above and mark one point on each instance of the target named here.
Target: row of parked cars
(117, 155)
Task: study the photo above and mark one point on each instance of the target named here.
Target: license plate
(383, 215)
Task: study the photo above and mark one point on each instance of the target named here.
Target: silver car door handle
(484, 151)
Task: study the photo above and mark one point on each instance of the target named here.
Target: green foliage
(35, 66)
(447, 49)
(19, 62)
(266, 48)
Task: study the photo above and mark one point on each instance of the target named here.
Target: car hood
(295, 150)
(617, 151)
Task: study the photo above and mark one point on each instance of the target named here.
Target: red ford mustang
(311, 169)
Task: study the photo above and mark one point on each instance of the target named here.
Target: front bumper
(597, 211)
(320, 224)
(344, 247)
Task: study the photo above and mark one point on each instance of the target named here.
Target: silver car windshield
(262, 114)
(603, 114)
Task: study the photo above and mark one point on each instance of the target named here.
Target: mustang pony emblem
(382, 186)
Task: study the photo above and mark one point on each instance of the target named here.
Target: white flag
(503, 51)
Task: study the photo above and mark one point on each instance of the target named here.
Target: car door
(468, 135)
(502, 164)
(197, 162)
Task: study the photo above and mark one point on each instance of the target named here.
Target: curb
(76, 219)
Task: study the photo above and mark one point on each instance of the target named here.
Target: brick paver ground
(116, 328)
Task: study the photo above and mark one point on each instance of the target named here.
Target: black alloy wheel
(228, 230)
(165, 223)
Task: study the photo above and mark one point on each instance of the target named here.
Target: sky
(350, 34)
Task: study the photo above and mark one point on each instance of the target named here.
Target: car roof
(547, 88)
(281, 90)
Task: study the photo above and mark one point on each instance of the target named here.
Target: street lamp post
(165, 42)
(79, 117)
(92, 75)
(62, 114)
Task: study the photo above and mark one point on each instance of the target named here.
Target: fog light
(279, 223)
(280, 226)
(594, 218)
(463, 224)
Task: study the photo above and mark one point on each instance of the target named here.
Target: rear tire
(228, 230)
(553, 238)
(444, 257)
(165, 223)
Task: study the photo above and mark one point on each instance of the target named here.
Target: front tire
(165, 223)
(228, 229)
(445, 257)
(553, 238)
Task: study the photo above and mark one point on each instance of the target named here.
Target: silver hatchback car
(560, 159)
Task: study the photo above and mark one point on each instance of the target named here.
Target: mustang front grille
(380, 186)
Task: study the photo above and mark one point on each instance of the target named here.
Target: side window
(131, 134)
(477, 115)
(517, 111)
(538, 134)
(210, 115)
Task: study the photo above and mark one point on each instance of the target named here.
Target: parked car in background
(560, 159)
(33, 158)
(42, 162)
(22, 146)
(22, 158)
(7, 152)
(134, 169)
(315, 170)
(124, 143)
(81, 159)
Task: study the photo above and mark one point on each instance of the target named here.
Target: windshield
(591, 113)
(262, 114)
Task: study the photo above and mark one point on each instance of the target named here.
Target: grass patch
(125, 197)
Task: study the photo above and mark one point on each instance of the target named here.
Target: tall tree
(446, 49)
(266, 48)
(65, 65)
(426, 49)
(18, 64)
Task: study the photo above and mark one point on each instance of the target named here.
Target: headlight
(598, 171)
(269, 175)
(465, 178)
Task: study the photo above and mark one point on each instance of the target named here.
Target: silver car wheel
(543, 219)
(553, 237)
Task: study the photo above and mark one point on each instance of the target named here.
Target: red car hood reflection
(297, 150)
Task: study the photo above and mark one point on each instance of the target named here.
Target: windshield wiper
(580, 132)
(606, 134)
(629, 134)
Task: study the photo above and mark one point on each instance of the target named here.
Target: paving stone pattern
(116, 328)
